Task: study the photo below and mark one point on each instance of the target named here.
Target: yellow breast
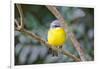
(56, 36)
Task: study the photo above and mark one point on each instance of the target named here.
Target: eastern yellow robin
(56, 35)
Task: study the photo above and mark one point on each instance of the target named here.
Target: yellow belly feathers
(56, 36)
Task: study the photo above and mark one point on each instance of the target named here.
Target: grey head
(55, 24)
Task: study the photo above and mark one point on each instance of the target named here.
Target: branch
(42, 41)
(21, 15)
(76, 44)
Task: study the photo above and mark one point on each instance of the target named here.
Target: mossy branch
(75, 42)
(20, 27)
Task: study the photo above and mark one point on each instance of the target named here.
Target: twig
(16, 22)
(21, 29)
(57, 14)
(21, 15)
(46, 44)
(42, 41)
(76, 44)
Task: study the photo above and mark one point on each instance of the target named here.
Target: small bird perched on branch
(56, 36)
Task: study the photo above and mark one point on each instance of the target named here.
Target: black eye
(56, 26)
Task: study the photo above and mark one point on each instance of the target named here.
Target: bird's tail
(54, 53)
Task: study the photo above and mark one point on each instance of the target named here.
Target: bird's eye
(56, 26)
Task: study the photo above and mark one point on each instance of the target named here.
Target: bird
(56, 36)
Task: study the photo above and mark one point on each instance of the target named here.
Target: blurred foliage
(37, 18)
